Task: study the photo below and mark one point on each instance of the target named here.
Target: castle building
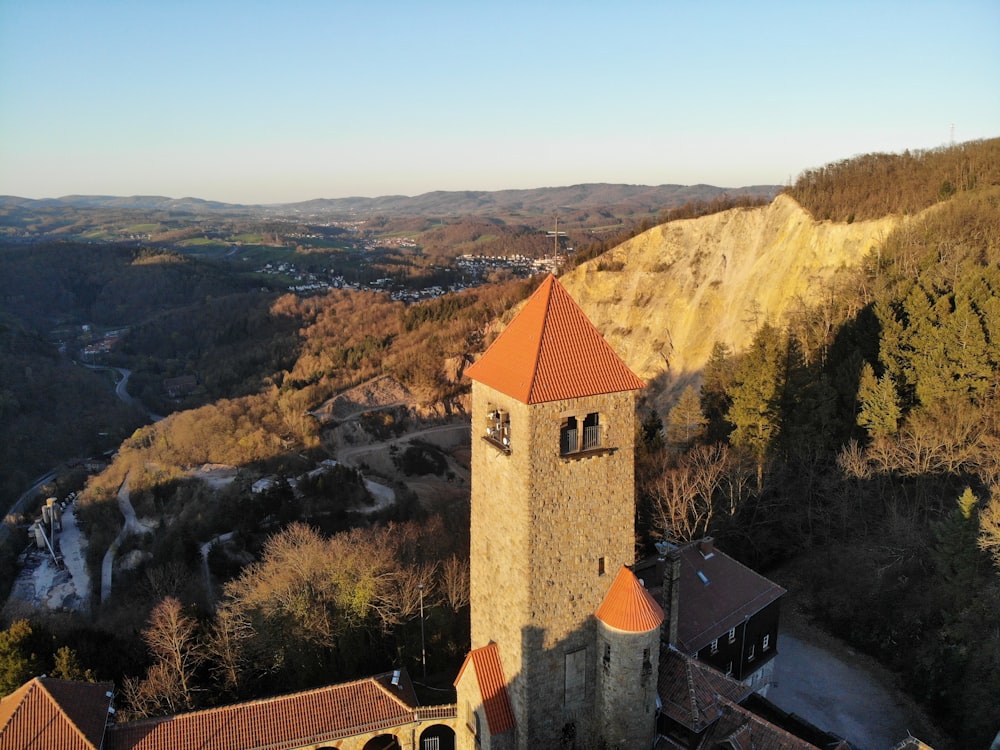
(573, 644)
(552, 528)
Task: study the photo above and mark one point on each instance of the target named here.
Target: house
(726, 615)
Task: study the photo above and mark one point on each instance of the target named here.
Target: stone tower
(552, 513)
(628, 644)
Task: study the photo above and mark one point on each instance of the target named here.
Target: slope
(665, 297)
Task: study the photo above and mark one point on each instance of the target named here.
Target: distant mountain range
(623, 198)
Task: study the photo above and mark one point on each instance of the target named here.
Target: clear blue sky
(272, 101)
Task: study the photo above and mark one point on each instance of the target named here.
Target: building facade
(552, 514)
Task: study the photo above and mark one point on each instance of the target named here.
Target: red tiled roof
(492, 687)
(690, 690)
(279, 723)
(51, 714)
(743, 729)
(628, 606)
(550, 351)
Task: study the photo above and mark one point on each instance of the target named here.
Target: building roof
(740, 729)
(717, 593)
(550, 351)
(50, 714)
(492, 684)
(628, 606)
(689, 690)
(280, 723)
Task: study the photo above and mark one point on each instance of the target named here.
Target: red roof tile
(279, 723)
(550, 351)
(690, 690)
(492, 687)
(51, 714)
(740, 728)
(628, 606)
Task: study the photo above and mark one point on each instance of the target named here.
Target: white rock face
(666, 296)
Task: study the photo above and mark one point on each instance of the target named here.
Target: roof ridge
(751, 718)
(18, 704)
(537, 356)
(258, 701)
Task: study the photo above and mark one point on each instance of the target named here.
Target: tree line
(863, 463)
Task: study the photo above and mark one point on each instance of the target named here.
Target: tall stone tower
(552, 514)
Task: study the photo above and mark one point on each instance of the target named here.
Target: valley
(820, 399)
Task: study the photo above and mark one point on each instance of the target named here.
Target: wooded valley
(853, 456)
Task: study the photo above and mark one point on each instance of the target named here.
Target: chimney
(672, 593)
(707, 547)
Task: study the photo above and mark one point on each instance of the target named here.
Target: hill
(665, 297)
(629, 199)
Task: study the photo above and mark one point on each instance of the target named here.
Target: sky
(272, 102)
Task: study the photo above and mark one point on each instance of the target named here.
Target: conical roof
(550, 351)
(628, 606)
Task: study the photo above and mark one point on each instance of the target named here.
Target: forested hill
(619, 199)
(824, 373)
(827, 375)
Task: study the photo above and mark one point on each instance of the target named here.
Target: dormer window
(498, 429)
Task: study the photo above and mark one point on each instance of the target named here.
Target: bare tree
(455, 582)
(168, 686)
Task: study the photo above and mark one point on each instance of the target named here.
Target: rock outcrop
(665, 297)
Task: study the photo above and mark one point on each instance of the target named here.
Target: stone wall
(548, 533)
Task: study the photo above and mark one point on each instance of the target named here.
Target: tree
(756, 398)
(168, 686)
(880, 412)
(226, 648)
(685, 422)
(715, 391)
(650, 434)
(455, 582)
(955, 553)
(683, 491)
(989, 527)
(20, 658)
(68, 667)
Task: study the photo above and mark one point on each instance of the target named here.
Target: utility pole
(423, 651)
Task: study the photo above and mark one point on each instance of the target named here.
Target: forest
(852, 456)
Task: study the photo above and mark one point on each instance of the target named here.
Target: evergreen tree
(955, 553)
(879, 413)
(756, 398)
(716, 383)
(685, 422)
(20, 656)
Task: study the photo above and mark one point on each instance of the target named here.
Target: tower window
(591, 432)
(498, 429)
(578, 434)
(568, 436)
(601, 569)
